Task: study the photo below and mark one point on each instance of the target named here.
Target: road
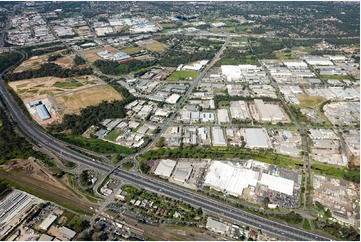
(214, 207)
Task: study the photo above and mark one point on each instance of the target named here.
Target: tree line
(48, 69)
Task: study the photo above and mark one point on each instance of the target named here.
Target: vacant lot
(313, 102)
(65, 61)
(36, 88)
(91, 55)
(152, 45)
(73, 102)
(183, 76)
(131, 50)
(36, 61)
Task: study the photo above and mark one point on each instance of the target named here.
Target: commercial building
(218, 137)
(256, 138)
(45, 237)
(43, 112)
(165, 168)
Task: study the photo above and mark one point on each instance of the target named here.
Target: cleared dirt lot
(73, 102)
(91, 55)
(36, 61)
(31, 89)
(152, 45)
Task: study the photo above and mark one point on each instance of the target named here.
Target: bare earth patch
(75, 101)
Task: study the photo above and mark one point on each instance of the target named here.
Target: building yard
(73, 102)
(37, 180)
(91, 55)
(183, 76)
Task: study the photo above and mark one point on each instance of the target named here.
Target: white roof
(218, 137)
(165, 168)
(48, 221)
(172, 99)
(222, 116)
(278, 184)
(233, 179)
(256, 138)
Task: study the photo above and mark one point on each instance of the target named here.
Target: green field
(239, 39)
(96, 145)
(183, 76)
(113, 135)
(131, 50)
(70, 84)
(338, 77)
(248, 59)
(313, 102)
(168, 25)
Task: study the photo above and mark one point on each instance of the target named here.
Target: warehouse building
(183, 171)
(216, 226)
(165, 168)
(43, 112)
(47, 222)
(222, 116)
(256, 138)
(269, 112)
(239, 110)
(218, 137)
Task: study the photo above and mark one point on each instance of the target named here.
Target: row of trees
(48, 69)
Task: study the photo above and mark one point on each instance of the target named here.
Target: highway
(277, 229)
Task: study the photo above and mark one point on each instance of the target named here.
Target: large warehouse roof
(183, 171)
(256, 138)
(165, 168)
(278, 184)
(233, 179)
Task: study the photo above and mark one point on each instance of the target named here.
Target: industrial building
(165, 168)
(222, 115)
(218, 137)
(216, 226)
(47, 222)
(233, 179)
(13, 208)
(43, 112)
(183, 171)
(239, 110)
(256, 138)
(230, 178)
(269, 112)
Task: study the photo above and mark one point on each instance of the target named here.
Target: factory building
(183, 172)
